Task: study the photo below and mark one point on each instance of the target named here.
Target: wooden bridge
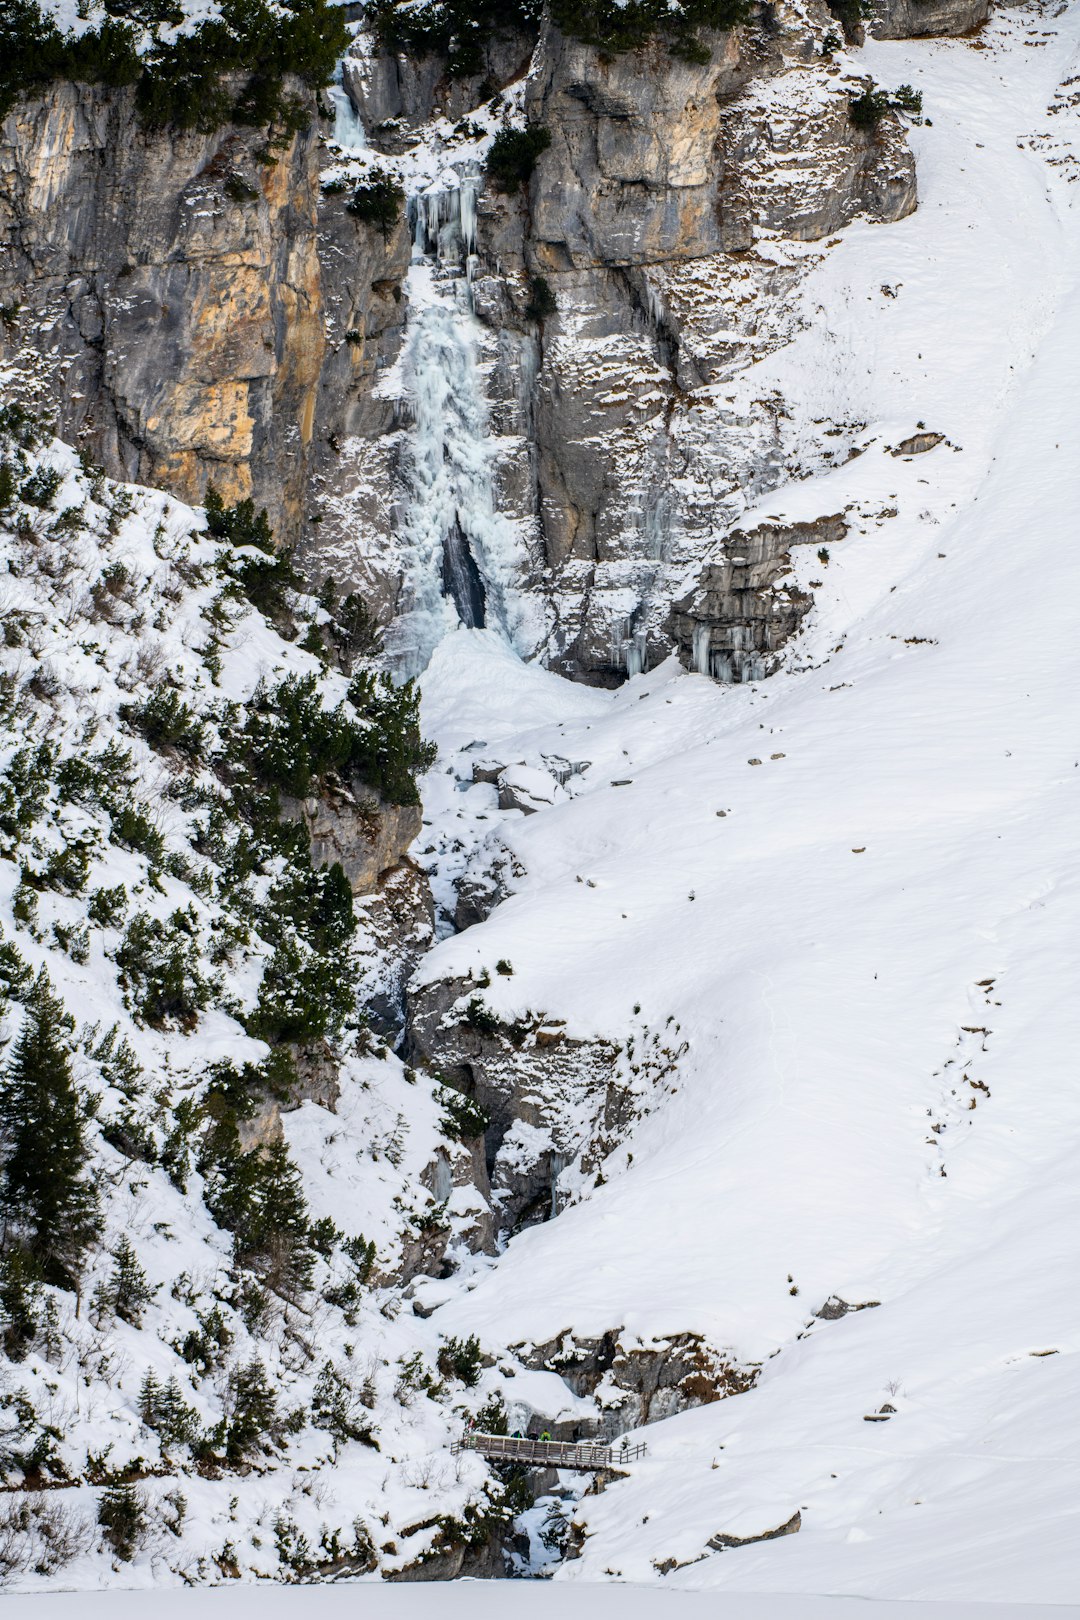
(583, 1454)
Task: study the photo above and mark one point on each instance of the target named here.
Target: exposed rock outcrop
(630, 176)
(168, 288)
(362, 833)
(555, 1102)
(395, 94)
(908, 19)
(634, 1383)
(789, 1528)
(645, 217)
(745, 608)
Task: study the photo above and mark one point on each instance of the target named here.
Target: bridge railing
(583, 1454)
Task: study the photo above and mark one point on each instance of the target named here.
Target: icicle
(637, 654)
(470, 184)
(558, 1165)
(699, 653)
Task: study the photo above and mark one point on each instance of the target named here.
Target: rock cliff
(670, 219)
(183, 301)
(200, 308)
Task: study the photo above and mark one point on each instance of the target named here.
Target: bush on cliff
(867, 111)
(458, 30)
(182, 82)
(512, 156)
(613, 26)
(378, 201)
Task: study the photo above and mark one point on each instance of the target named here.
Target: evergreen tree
(259, 1198)
(251, 1409)
(127, 1291)
(48, 1208)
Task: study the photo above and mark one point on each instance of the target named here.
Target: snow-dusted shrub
(339, 1408)
(460, 1358)
(464, 1118)
(166, 721)
(391, 752)
(160, 968)
(478, 1016)
(304, 996)
(512, 156)
(39, 1534)
(126, 1292)
(162, 1408)
(378, 201)
(266, 578)
(868, 109)
(206, 1347)
(353, 629)
(259, 1198)
(251, 1410)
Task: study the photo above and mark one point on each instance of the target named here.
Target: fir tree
(48, 1208)
(122, 1516)
(127, 1292)
(251, 1409)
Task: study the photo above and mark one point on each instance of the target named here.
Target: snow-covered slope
(855, 889)
(173, 920)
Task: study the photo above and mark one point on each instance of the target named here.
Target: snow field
(894, 874)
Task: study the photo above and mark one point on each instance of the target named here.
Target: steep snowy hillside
(852, 890)
(204, 1372)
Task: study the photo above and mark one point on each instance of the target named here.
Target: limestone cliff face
(630, 177)
(353, 454)
(184, 301)
(744, 607)
(653, 216)
(395, 94)
(169, 293)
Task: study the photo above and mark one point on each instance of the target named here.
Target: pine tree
(48, 1209)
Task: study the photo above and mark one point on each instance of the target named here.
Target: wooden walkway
(583, 1454)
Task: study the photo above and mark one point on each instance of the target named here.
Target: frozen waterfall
(462, 554)
(348, 129)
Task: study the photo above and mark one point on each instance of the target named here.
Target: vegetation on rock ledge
(228, 68)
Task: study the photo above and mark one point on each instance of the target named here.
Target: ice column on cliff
(348, 129)
(462, 553)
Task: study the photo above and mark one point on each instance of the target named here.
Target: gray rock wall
(183, 300)
(642, 216)
(907, 19)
